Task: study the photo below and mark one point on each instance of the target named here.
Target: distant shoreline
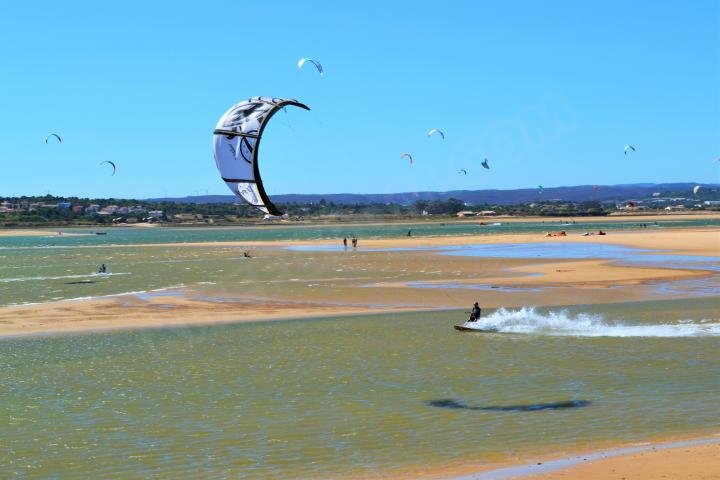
(332, 221)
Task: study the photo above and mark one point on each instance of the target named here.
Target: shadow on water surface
(81, 282)
(532, 407)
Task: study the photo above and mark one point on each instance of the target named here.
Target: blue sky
(549, 93)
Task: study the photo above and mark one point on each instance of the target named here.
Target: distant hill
(580, 193)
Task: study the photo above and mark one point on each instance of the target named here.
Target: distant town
(54, 211)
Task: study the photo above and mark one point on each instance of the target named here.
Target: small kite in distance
(696, 189)
(463, 171)
(540, 189)
(319, 67)
(434, 131)
(628, 147)
(111, 164)
(53, 135)
(485, 164)
(407, 155)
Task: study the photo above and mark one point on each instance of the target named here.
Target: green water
(125, 236)
(43, 273)
(351, 396)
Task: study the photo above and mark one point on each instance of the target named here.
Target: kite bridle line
(232, 133)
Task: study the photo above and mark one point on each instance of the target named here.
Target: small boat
(100, 233)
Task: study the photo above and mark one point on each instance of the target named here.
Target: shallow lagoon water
(339, 396)
(34, 275)
(353, 396)
(565, 250)
(129, 235)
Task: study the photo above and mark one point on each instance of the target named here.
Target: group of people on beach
(563, 234)
(354, 242)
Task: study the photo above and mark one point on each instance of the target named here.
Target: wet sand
(699, 241)
(684, 462)
(451, 282)
(692, 459)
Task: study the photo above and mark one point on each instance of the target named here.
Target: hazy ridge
(579, 193)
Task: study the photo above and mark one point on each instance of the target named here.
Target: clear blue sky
(549, 92)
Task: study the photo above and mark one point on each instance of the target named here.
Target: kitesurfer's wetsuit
(475, 313)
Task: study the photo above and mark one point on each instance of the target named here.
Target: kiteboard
(463, 328)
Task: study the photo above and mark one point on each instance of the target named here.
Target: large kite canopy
(434, 131)
(112, 164)
(53, 135)
(235, 147)
(302, 62)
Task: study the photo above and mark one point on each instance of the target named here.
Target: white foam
(560, 323)
(59, 277)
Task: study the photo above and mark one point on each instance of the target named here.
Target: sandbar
(366, 281)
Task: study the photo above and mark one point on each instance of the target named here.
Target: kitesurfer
(345, 242)
(475, 313)
(102, 269)
(409, 234)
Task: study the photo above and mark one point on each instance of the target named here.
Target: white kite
(319, 67)
(112, 164)
(235, 147)
(434, 131)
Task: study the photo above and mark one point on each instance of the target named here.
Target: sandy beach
(573, 282)
(688, 462)
(692, 458)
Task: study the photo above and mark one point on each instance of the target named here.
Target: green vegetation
(56, 211)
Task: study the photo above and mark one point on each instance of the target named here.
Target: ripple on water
(324, 398)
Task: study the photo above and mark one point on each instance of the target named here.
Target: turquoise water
(120, 235)
(564, 250)
(317, 399)
(32, 275)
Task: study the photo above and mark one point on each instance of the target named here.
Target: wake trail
(528, 320)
